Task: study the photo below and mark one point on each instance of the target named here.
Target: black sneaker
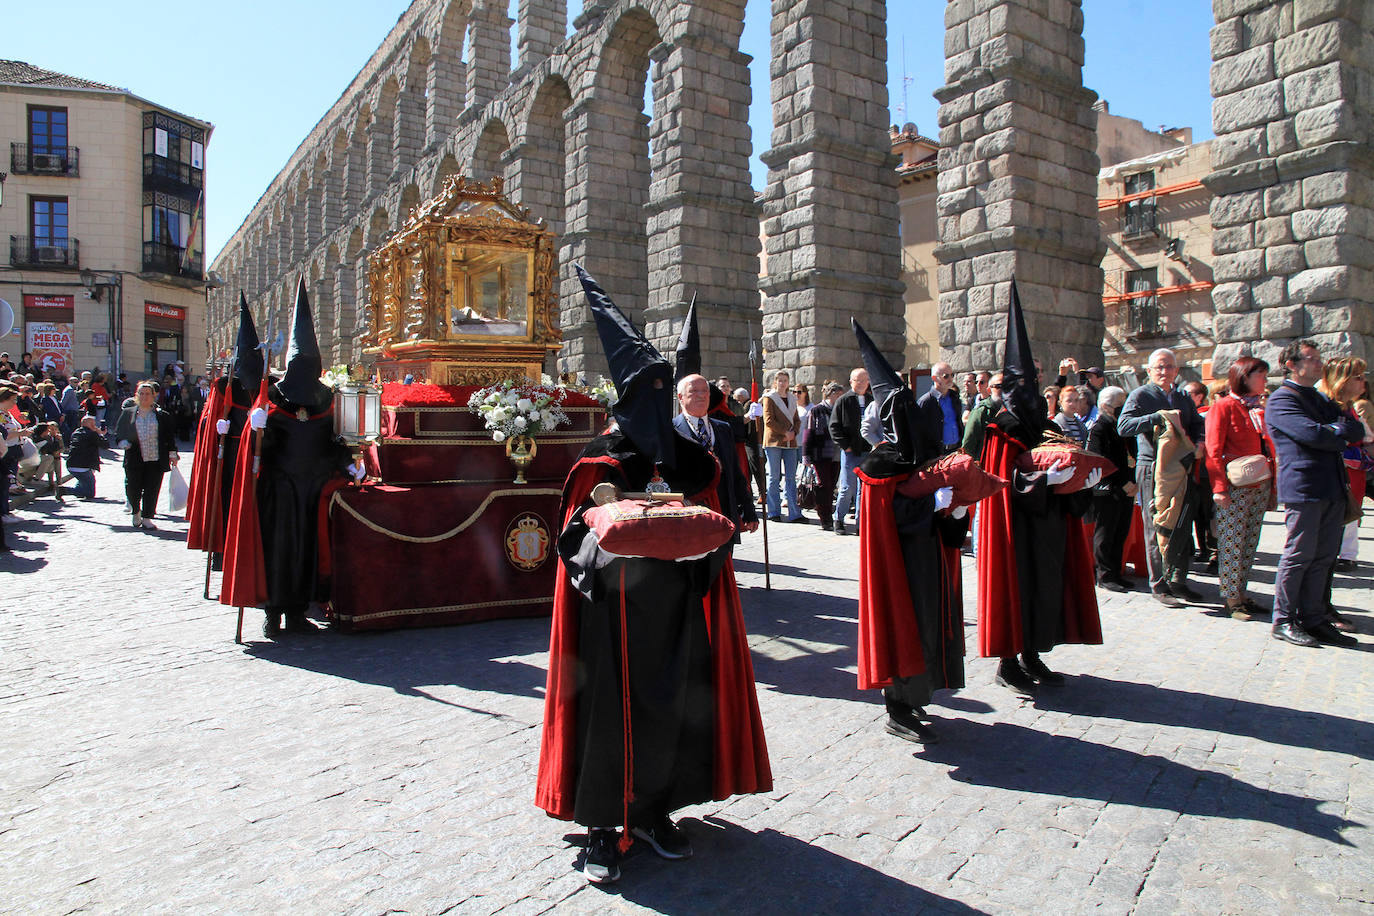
(839, 528)
(1011, 676)
(271, 625)
(667, 839)
(1039, 670)
(1181, 590)
(1111, 585)
(602, 865)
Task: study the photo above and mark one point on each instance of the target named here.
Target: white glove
(958, 512)
(755, 411)
(123, 444)
(222, 427)
(1094, 478)
(357, 471)
(943, 497)
(1057, 475)
(257, 418)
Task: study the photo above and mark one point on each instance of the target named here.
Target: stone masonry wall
(1293, 110)
(1018, 183)
(831, 203)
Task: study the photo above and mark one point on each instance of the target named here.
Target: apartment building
(103, 209)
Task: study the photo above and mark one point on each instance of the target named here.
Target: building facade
(103, 214)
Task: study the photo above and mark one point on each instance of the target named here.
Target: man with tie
(694, 394)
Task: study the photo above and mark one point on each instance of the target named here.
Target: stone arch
(410, 199)
(490, 150)
(411, 105)
(447, 79)
(381, 158)
(355, 179)
(378, 228)
(332, 206)
(313, 194)
(543, 159)
(448, 167)
(539, 30)
(607, 225)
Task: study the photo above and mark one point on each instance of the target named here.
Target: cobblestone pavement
(148, 764)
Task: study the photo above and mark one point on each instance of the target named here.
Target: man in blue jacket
(1309, 433)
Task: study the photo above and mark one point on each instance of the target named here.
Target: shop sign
(164, 311)
(51, 345)
(34, 301)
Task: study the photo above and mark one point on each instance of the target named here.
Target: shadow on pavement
(1008, 756)
(1087, 695)
(794, 622)
(778, 569)
(735, 870)
(465, 656)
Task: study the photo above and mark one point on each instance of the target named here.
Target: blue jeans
(85, 483)
(782, 461)
(848, 494)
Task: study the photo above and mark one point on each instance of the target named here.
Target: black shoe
(1345, 566)
(839, 528)
(911, 729)
(1339, 620)
(271, 625)
(602, 864)
(1011, 675)
(1325, 632)
(1038, 670)
(1291, 632)
(1166, 599)
(667, 839)
(799, 520)
(1111, 585)
(297, 622)
(1181, 590)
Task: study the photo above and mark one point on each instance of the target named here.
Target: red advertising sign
(51, 345)
(164, 311)
(35, 301)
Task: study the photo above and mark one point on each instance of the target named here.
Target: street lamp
(94, 283)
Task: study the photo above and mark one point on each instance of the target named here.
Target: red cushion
(1083, 463)
(660, 531)
(958, 470)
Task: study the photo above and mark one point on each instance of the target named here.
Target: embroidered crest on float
(527, 542)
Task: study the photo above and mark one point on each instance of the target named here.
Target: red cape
(741, 754)
(889, 638)
(245, 570)
(999, 596)
(199, 533)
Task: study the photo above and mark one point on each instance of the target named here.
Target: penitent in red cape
(199, 534)
(245, 571)
(740, 763)
(999, 594)
(889, 637)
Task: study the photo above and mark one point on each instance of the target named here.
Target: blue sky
(265, 89)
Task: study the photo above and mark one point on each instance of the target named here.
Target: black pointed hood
(688, 356)
(301, 384)
(1020, 380)
(643, 379)
(903, 424)
(247, 365)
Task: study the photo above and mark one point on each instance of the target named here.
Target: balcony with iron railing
(163, 258)
(163, 174)
(60, 161)
(45, 254)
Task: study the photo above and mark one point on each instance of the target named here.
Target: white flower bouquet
(519, 408)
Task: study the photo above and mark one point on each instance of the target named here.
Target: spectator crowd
(1197, 468)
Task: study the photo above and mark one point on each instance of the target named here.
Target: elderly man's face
(858, 380)
(942, 377)
(694, 394)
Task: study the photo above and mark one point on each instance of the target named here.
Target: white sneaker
(148, 525)
(137, 520)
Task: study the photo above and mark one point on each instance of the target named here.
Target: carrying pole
(758, 443)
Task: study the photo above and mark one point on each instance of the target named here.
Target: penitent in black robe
(299, 456)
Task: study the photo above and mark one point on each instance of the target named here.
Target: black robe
(298, 458)
(929, 543)
(668, 658)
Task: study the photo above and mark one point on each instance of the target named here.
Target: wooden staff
(217, 475)
(757, 438)
(252, 482)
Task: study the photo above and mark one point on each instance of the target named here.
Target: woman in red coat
(1235, 425)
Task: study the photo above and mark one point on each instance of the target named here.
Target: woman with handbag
(1241, 468)
(145, 432)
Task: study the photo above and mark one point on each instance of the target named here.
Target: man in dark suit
(941, 407)
(1309, 433)
(694, 394)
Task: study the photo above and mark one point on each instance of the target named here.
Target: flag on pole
(193, 246)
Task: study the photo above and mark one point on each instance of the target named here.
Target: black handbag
(806, 488)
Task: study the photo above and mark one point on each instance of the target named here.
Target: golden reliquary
(464, 292)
